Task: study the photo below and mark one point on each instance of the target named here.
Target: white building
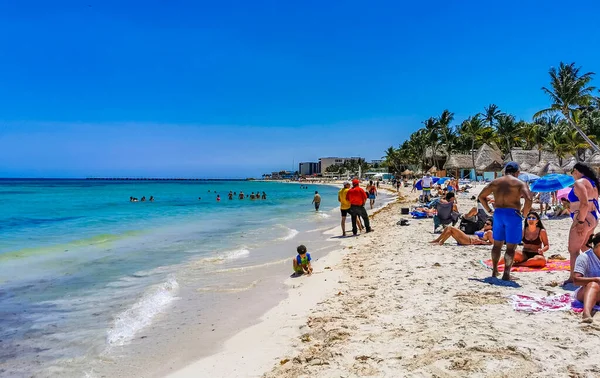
(326, 162)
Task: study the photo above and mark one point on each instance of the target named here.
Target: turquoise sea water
(82, 269)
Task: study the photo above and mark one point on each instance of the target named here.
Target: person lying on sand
(587, 275)
(302, 262)
(483, 237)
(535, 243)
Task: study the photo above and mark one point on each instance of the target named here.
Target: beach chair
(445, 215)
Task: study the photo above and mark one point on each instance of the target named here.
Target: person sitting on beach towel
(483, 237)
(562, 209)
(586, 274)
(302, 262)
(535, 243)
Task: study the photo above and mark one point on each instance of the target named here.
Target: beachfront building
(309, 169)
(326, 162)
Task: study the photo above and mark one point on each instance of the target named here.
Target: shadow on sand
(496, 281)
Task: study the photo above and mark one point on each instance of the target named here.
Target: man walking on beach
(357, 198)
(344, 205)
(317, 200)
(508, 215)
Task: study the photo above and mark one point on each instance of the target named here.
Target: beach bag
(470, 227)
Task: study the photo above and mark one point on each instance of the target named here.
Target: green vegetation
(569, 126)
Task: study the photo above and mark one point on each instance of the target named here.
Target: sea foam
(138, 316)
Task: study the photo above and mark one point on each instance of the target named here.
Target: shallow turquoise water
(81, 267)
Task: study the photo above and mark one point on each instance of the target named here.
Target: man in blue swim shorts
(508, 214)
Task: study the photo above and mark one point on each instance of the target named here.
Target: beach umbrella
(528, 177)
(443, 180)
(552, 182)
(563, 193)
(419, 184)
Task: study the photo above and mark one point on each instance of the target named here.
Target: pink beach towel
(564, 302)
(551, 265)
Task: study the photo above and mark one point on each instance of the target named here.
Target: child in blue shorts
(302, 262)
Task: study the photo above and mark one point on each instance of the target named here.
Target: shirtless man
(508, 215)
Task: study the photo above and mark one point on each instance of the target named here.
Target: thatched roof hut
(459, 162)
(531, 157)
(488, 159)
(550, 167)
(407, 172)
(432, 169)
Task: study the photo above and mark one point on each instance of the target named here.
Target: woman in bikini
(584, 206)
(483, 237)
(535, 243)
(587, 276)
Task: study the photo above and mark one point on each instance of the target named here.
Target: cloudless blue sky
(238, 88)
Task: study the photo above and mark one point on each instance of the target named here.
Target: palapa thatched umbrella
(407, 172)
(550, 167)
(568, 167)
(525, 167)
(594, 161)
(432, 169)
(537, 169)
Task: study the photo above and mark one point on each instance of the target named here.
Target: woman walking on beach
(372, 193)
(584, 210)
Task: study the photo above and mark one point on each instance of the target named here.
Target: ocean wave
(229, 289)
(323, 215)
(138, 316)
(290, 235)
(249, 267)
(236, 254)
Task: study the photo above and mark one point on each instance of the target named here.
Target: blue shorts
(450, 188)
(508, 225)
(371, 196)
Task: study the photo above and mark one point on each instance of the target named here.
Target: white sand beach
(389, 304)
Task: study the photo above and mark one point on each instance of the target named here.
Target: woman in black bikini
(535, 243)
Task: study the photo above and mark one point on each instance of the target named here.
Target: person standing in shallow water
(508, 215)
(317, 201)
(344, 205)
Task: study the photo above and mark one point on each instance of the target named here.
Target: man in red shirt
(357, 198)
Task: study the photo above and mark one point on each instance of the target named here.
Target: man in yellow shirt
(344, 205)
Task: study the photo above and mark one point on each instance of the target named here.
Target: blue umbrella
(419, 184)
(528, 177)
(552, 182)
(443, 180)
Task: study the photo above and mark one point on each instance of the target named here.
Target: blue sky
(238, 88)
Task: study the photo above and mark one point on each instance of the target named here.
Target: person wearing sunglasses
(587, 276)
(535, 243)
(483, 237)
(584, 210)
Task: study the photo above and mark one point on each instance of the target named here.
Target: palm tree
(569, 91)
(390, 159)
(509, 131)
(474, 128)
(432, 137)
(446, 131)
(492, 112)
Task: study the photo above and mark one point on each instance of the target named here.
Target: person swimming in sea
(143, 198)
(241, 195)
(151, 199)
(230, 195)
(264, 195)
(218, 198)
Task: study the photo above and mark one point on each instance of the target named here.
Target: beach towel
(531, 304)
(551, 265)
(418, 214)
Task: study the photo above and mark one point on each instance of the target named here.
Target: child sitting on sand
(302, 262)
